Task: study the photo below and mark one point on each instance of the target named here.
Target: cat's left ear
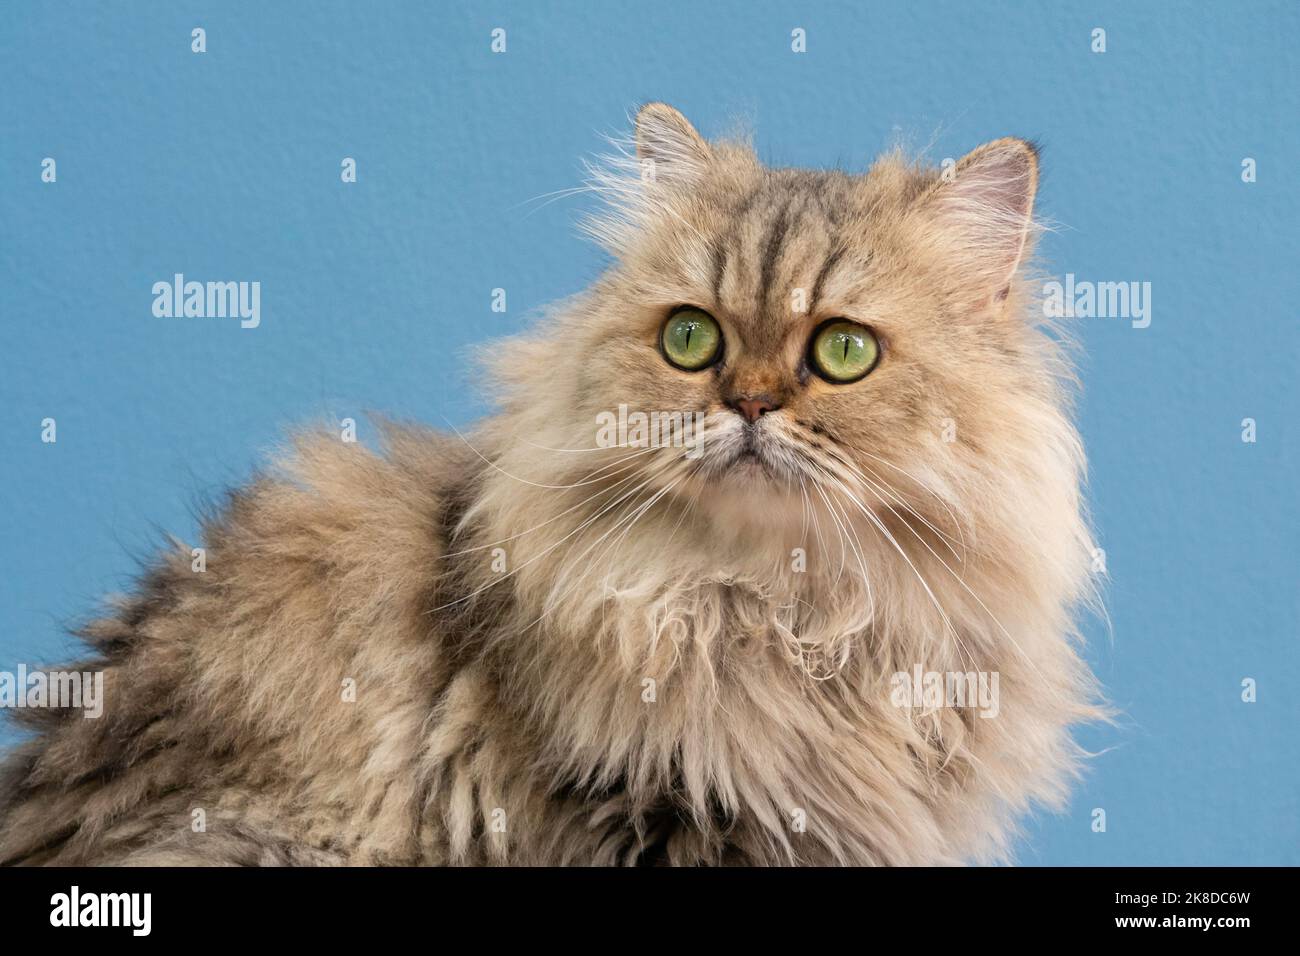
(667, 144)
(983, 208)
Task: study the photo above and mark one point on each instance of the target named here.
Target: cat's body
(517, 646)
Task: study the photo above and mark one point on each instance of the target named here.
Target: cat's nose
(751, 407)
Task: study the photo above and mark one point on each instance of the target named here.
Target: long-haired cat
(770, 556)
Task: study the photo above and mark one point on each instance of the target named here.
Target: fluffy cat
(520, 646)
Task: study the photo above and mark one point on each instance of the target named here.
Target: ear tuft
(666, 138)
(987, 207)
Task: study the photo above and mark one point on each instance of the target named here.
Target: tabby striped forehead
(780, 251)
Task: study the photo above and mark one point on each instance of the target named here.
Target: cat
(527, 645)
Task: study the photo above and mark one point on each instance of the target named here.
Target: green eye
(691, 339)
(843, 351)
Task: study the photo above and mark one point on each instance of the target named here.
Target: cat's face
(859, 336)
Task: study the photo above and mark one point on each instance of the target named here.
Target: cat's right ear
(667, 145)
(984, 211)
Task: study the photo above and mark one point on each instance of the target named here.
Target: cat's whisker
(553, 602)
(617, 543)
(851, 533)
(943, 501)
(875, 519)
(992, 617)
(963, 649)
(810, 512)
(620, 465)
(803, 493)
(509, 574)
(830, 511)
(568, 190)
(662, 472)
(878, 484)
(593, 448)
(838, 529)
(689, 509)
(551, 197)
(852, 536)
(851, 529)
(880, 526)
(492, 464)
(631, 509)
(581, 504)
(816, 522)
(817, 531)
(857, 471)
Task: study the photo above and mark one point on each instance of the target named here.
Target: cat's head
(793, 335)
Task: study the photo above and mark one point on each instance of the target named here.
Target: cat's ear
(667, 145)
(983, 207)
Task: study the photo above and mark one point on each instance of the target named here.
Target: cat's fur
(652, 678)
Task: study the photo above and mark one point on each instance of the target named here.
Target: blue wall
(226, 165)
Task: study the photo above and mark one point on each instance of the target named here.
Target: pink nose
(752, 408)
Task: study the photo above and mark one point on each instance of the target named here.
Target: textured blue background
(226, 166)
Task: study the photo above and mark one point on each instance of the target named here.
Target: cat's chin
(746, 472)
(748, 494)
(757, 510)
(750, 468)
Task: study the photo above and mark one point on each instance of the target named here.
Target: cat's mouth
(749, 454)
(752, 458)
